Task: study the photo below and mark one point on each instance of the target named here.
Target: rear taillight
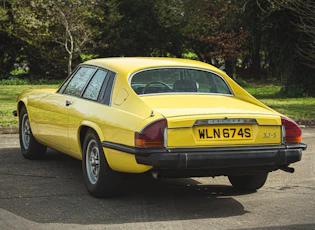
(152, 136)
(293, 133)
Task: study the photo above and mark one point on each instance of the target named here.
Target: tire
(30, 148)
(100, 180)
(248, 182)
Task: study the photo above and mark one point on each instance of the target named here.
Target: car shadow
(53, 191)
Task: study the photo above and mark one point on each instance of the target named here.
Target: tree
(59, 30)
(289, 43)
(304, 10)
(215, 31)
(141, 28)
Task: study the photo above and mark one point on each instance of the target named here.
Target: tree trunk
(70, 64)
(255, 69)
(228, 67)
(234, 69)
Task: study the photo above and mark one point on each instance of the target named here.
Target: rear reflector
(293, 133)
(152, 136)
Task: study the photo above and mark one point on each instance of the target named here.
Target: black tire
(100, 180)
(248, 182)
(30, 148)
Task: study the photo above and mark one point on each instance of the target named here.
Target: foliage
(300, 82)
(241, 82)
(190, 55)
(252, 39)
(216, 34)
(58, 30)
(142, 28)
(86, 57)
(304, 11)
(286, 35)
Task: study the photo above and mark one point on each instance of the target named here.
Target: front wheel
(99, 178)
(248, 182)
(30, 148)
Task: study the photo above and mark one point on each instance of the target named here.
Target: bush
(241, 82)
(300, 82)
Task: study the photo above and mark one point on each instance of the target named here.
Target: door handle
(68, 102)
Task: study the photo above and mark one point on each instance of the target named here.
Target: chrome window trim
(87, 84)
(181, 67)
(69, 78)
(97, 99)
(72, 76)
(112, 89)
(185, 93)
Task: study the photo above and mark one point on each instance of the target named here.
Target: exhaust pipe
(287, 169)
(155, 175)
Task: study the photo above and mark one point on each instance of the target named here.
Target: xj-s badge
(270, 135)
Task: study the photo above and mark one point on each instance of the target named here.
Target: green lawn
(295, 108)
(8, 96)
(263, 91)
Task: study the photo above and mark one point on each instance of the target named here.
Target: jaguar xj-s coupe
(165, 116)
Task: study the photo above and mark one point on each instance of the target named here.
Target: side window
(78, 81)
(93, 89)
(66, 82)
(109, 83)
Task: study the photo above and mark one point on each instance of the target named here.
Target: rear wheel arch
(84, 128)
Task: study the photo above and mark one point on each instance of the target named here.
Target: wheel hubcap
(92, 161)
(26, 131)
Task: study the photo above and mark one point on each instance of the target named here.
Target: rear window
(178, 80)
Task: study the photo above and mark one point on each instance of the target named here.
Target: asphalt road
(50, 194)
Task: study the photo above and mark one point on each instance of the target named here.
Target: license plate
(224, 133)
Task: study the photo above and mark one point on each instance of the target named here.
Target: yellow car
(165, 116)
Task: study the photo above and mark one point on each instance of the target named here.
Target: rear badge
(270, 135)
(226, 121)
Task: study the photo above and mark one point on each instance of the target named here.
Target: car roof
(128, 65)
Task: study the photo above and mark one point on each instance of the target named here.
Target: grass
(8, 96)
(263, 91)
(295, 108)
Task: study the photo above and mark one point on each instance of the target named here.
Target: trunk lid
(212, 120)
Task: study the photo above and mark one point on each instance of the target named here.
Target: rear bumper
(226, 157)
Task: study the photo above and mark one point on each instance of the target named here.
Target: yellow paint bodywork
(58, 126)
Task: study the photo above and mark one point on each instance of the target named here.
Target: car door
(53, 110)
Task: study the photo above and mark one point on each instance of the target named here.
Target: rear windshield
(178, 80)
